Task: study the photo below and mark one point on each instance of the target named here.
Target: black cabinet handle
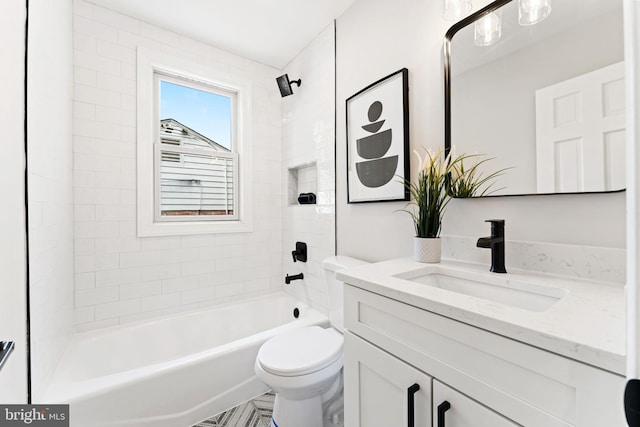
(411, 391)
(632, 402)
(442, 408)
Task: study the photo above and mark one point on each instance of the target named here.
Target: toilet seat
(301, 351)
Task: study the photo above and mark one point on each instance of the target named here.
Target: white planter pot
(427, 249)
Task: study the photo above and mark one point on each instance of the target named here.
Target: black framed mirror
(541, 94)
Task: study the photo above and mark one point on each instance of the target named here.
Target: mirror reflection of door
(580, 133)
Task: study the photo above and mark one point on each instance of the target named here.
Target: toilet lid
(301, 351)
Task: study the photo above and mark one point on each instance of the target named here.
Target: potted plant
(440, 178)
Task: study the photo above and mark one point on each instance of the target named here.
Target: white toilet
(303, 367)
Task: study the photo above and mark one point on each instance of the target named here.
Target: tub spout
(288, 279)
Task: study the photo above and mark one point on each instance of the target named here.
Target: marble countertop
(587, 324)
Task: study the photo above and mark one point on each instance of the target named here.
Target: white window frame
(150, 63)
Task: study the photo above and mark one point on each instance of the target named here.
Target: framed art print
(378, 141)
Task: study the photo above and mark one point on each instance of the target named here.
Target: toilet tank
(335, 287)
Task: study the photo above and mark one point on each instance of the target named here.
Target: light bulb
(454, 10)
(533, 11)
(488, 29)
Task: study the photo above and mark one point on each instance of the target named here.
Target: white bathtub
(174, 371)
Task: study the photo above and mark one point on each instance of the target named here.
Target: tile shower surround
(50, 181)
(119, 277)
(308, 138)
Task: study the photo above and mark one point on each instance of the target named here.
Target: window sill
(158, 229)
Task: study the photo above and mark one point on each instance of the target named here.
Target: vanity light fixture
(533, 11)
(488, 29)
(454, 10)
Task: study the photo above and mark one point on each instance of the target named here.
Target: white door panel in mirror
(580, 126)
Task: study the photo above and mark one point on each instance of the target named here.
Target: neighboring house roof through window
(174, 132)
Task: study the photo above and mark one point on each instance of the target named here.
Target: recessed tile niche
(302, 179)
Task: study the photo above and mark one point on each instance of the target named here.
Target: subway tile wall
(119, 277)
(308, 179)
(308, 136)
(49, 185)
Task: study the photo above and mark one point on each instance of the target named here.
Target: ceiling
(271, 32)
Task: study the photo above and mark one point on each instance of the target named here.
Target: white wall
(378, 37)
(13, 322)
(50, 183)
(308, 138)
(119, 277)
(374, 39)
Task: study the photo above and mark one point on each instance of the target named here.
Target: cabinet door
(461, 411)
(379, 389)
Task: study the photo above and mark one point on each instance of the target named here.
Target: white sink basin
(505, 289)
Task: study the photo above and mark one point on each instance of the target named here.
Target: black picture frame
(377, 119)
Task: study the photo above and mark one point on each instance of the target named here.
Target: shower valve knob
(300, 254)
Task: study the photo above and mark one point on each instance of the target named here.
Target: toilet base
(306, 413)
(289, 413)
(324, 410)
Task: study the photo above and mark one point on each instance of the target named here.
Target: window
(193, 155)
(195, 167)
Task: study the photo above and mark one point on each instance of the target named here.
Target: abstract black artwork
(378, 141)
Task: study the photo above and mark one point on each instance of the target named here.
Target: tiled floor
(254, 413)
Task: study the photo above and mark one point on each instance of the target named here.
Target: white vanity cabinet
(384, 391)
(389, 392)
(488, 380)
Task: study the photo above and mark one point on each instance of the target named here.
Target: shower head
(284, 84)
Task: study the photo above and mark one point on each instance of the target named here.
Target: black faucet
(288, 278)
(496, 243)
